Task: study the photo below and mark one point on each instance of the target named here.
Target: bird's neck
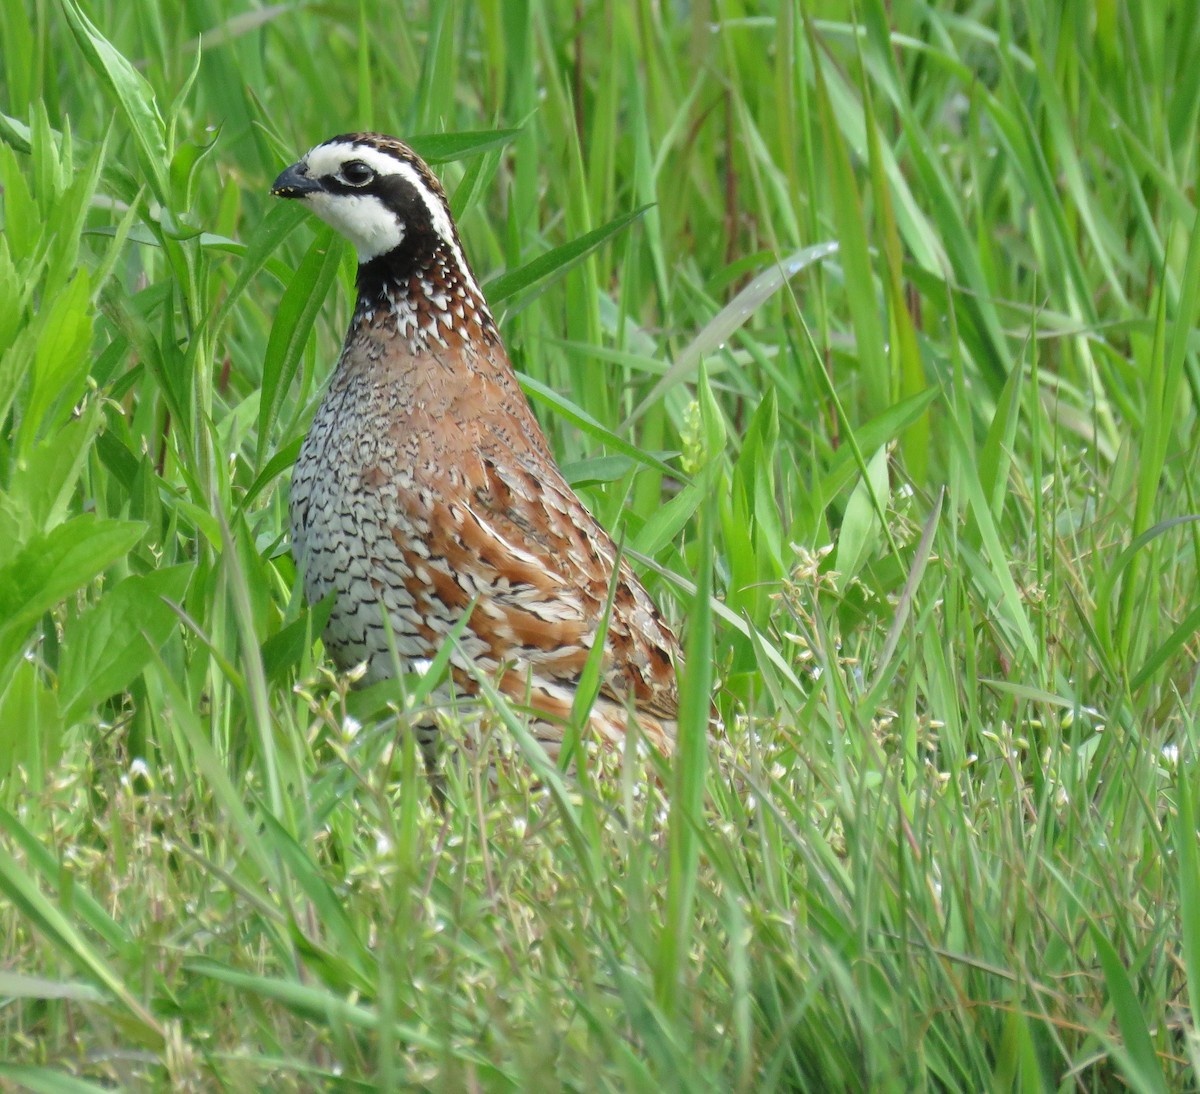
(428, 292)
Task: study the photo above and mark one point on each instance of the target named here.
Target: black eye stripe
(334, 185)
(394, 192)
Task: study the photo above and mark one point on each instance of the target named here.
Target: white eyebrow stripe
(327, 159)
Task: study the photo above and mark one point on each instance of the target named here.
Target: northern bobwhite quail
(425, 484)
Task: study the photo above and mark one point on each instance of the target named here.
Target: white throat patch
(363, 219)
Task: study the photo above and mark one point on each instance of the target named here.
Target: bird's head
(374, 190)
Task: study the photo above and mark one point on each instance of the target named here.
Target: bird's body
(425, 489)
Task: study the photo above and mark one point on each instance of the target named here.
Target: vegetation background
(924, 504)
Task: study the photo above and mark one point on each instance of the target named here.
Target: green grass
(940, 485)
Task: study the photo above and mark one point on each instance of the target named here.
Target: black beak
(295, 183)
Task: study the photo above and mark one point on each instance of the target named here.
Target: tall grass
(922, 503)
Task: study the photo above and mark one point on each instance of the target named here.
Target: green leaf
(581, 419)
(348, 949)
(42, 863)
(15, 363)
(188, 157)
(15, 289)
(107, 646)
(22, 222)
(14, 132)
(16, 985)
(317, 1004)
(43, 482)
(280, 221)
(293, 322)
(280, 462)
(597, 469)
(754, 481)
(31, 730)
(1108, 578)
(854, 250)
(45, 1080)
(134, 95)
(1138, 1061)
(54, 565)
(71, 944)
(555, 263)
(1011, 603)
(861, 526)
(884, 427)
(1183, 833)
(61, 361)
(445, 147)
(689, 765)
(730, 319)
(995, 457)
(667, 522)
(712, 420)
(286, 648)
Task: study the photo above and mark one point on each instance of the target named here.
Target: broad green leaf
(598, 469)
(43, 482)
(667, 523)
(280, 462)
(15, 288)
(16, 362)
(107, 646)
(61, 361)
(22, 224)
(860, 529)
(871, 435)
(189, 155)
(15, 132)
(54, 565)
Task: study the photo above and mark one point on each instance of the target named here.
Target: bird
(426, 491)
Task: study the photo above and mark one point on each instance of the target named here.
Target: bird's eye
(357, 173)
